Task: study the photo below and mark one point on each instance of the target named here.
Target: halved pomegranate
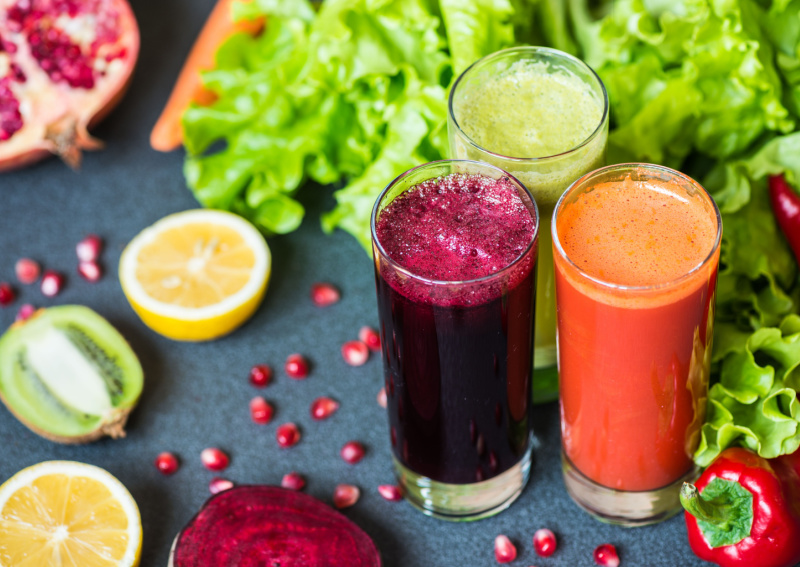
(64, 64)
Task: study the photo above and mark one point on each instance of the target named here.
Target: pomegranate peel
(249, 526)
(66, 65)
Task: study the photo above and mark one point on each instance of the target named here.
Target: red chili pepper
(744, 511)
(786, 208)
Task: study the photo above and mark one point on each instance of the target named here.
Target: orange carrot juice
(636, 250)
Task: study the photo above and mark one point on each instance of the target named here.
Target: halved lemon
(196, 275)
(68, 514)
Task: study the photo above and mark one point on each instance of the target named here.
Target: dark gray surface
(196, 395)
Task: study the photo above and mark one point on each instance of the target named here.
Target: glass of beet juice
(455, 248)
(636, 250)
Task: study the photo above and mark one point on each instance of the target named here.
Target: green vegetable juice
(541, 115)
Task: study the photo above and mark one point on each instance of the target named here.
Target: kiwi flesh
(68, 375)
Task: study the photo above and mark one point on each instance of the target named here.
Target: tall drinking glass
(541, 115)
(636, 251)
(454, 246)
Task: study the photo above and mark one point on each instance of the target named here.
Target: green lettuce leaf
(313, 97)
(477, 28)
(415, 134)
(684, 75)
(755, 404)
(757, 268)
(413, 119)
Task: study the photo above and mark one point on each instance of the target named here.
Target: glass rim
(529, 49)
(629, 167)
(434, 282)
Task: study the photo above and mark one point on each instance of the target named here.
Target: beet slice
(249, 526)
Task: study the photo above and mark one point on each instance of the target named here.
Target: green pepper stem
(713, 513)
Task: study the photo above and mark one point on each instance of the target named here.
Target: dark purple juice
(457, 356)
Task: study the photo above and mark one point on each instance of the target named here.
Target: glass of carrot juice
(636, 251)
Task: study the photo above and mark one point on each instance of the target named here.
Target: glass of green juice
(542, 115)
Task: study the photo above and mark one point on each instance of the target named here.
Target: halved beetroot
(254, 526)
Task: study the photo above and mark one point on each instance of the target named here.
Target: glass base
(464, 502)
(620, 507)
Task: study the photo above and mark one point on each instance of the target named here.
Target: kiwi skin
(112, 426)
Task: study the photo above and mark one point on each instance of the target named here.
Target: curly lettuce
(684, 76)
(754, 403)
(354, 93)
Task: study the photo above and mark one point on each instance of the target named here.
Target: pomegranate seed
(544, 543)
(219, 484)
(260, 375)
(287, 435)
(296, 367)
(355, 353)
(293, 481)
(167, 463)
(370, 337)
(345, 495)
(25, 312)
(90, 271)
(352, 452)
(27, 270)
(323, 408)
(504, 550)
(214, 459)
(260, 410)
(606, 555)
(324, 294)
(52, 282)
(382, 398)
(390, 492)
(89, 248)
(6, 294)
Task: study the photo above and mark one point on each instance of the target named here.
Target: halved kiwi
(68, 375)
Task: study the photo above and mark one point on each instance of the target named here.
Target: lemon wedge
(68, 514)
(196, 275)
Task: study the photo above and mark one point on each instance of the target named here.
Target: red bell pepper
(786, 208)
(744, 511)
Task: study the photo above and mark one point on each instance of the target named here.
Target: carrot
(167, 134)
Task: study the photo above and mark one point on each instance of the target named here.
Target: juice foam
(636, 233)
(456, 228)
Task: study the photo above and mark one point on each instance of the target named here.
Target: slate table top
(196, 395)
